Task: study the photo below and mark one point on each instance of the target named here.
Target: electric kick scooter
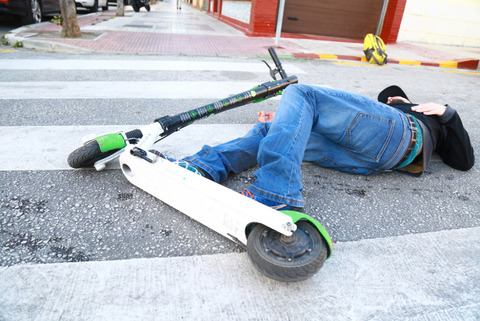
(284, 245)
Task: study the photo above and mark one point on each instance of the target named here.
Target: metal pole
(383, 11)
(279, 21)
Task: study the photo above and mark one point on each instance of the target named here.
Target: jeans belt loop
(411, 146)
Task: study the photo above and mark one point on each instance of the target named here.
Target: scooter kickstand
(136, 151)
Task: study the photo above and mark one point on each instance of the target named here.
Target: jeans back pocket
(369, 135)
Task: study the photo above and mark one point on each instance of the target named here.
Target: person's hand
(266, 116)
(430, 109)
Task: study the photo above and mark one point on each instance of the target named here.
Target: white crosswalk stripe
(121, 89)
(149, 65)
(47, 147)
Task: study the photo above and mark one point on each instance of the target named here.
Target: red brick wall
(263, 18)
(393, 19)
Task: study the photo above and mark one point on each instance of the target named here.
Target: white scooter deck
(227, 212)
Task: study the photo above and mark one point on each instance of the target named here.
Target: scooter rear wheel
(287, 258)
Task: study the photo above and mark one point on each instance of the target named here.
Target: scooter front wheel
(87, 155)
(287, 258)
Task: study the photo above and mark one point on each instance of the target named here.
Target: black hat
(391, 91)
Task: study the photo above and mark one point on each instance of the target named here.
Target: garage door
(334, 18)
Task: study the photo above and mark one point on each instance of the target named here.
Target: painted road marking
(463, 72)
(47, 147)
(151, 65)
(122, 89)
(357, 64)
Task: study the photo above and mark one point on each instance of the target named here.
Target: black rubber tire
(287, 259)
(135, 5)
(34, 13)
(87, 155)
(147, 6)
(106, 7)
(95, 6)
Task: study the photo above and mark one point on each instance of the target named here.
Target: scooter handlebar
(277, 62)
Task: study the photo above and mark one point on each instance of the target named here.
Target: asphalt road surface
(50, 213)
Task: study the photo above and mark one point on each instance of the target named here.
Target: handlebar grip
(277, 62)
(136, 133)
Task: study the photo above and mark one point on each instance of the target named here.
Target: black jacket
(442, 134)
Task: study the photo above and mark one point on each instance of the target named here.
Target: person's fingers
(430, 109)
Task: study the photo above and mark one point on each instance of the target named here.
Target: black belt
(413, 141)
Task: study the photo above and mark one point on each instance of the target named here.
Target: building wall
(448, 22)
(263, 16)
(392, 21)
(199, 4)
(239, 10)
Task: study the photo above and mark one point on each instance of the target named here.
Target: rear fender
(297, 216)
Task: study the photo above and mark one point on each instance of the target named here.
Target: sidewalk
(189, 31)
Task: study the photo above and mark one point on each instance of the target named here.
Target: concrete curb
(44, 45)
(470, 64)
(54, 46)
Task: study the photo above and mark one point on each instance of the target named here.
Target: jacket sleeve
(454, 147)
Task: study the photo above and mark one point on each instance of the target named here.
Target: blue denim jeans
(327, 127)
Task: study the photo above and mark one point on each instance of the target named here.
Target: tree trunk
(120, 10)
(70, 28)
